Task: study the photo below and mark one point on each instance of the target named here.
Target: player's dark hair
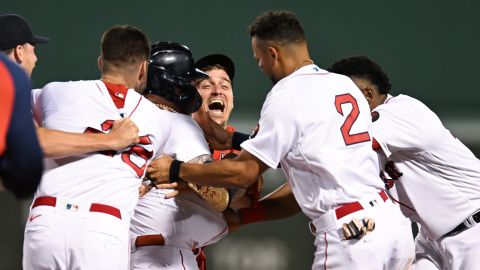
(277, 26)
(124, 45)
(363, 68)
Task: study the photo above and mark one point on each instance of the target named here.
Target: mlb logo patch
(71, 207)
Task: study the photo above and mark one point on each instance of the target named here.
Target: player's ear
(18, 54)
(368, 93)
(100, 62)
(142, 74)
(273, 52)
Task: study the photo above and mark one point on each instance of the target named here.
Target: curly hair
(363, 68)
(277, 26)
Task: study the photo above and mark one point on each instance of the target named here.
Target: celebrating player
(217, 93)
(169, 233)
(437, 178)
(315, 124)
(81, 212)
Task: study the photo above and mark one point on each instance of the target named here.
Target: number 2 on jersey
(350, 120)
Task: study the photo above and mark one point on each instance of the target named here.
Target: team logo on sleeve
(375, 116)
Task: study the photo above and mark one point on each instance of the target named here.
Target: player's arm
(277, 205)
(240, 172)
(57, 143)
(178, 186)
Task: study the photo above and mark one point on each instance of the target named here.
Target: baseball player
(315, 124)
(19, 173)
(438, 178)
(80, 216)
(217, 93)
(169, 233)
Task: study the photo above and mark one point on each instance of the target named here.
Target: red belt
(94, 207)
(353, 207)
(150, 240)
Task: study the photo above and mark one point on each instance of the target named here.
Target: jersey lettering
(350, 120)
(138, 150)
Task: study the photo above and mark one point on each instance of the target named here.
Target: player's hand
(233, 219)
(159, 170)
(178, 187)
(124, 133)
(144, 189)
(217, 136)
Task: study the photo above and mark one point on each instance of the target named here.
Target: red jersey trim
(118, 93)
(219, 154)
(375, 145)
(6, 104)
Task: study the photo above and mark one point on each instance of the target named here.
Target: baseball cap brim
(39, 39)
(217, 59)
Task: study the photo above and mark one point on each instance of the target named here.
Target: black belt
(463, 226)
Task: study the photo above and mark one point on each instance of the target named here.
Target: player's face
(264, 59)
(28, 58)
(217, 95)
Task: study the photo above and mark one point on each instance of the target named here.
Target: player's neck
(303, 63)
(299, 58)
(115, 79)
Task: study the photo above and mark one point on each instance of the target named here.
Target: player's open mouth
(216, 106)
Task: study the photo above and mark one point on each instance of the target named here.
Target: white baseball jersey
(315, 124)
(69, 235)
(440, 185)
(108, 178)
(186, 222)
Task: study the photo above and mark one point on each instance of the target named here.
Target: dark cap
(217, 59)
(14, 30)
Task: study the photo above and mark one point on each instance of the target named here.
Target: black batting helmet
(170, 74)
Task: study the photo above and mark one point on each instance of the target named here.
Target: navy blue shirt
(21, 163)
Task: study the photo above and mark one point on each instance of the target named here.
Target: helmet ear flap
(190, 100)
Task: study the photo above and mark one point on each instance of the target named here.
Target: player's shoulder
(69, 85)
(313, 76)
(402, 102)
(185, 122)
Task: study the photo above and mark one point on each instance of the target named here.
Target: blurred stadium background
(430, 49)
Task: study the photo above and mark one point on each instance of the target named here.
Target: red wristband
(253, 214)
